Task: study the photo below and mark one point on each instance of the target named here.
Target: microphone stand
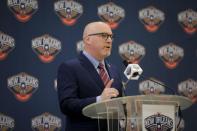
(171, 89)
(124, 104)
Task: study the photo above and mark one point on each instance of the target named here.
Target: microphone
(134, 71)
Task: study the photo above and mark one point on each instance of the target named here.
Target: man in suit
(88, 79)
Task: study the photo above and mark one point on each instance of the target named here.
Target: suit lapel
(91, 70)
(113, 74)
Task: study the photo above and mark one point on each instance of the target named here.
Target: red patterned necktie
(103, 74)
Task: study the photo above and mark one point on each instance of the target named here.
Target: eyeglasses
(103, 35)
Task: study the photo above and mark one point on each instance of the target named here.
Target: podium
(133, 113)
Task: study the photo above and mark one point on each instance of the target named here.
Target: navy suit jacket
(78, 86)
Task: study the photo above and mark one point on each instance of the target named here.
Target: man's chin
(107, 54)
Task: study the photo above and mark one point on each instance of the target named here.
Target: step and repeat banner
(36, 36)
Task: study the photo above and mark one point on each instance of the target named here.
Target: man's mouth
(108, 47)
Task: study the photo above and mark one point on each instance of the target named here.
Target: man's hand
(109, 91)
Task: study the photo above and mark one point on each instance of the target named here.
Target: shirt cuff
(98, 98)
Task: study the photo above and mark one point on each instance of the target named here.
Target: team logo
(23, 9)
(80, 46)
(158, 122)
(151, 18)
(131, 52)
(188, 88)
(22, 86)
(6, 123)
(111, 13)
(188, 20)
(46, 122)
(171, 55)
(46, 47)
(149, 87)
(68, 11)
(7, 44)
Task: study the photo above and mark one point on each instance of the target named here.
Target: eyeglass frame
(103, 35)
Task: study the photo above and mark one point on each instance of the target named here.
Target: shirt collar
(94, 61)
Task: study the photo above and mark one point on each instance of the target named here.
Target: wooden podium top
(133, 105)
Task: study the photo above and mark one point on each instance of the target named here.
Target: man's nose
(109, 39)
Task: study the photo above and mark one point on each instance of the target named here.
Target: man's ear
(86, 40)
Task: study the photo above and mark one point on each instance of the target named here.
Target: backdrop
(36, 36)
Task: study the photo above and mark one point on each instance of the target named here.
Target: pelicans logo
(6, 123)
(152, 18)
(131, 52)
(148, 87)
(46, 122)
(22, 86)
(158, 122)
(80, 46)
(46, 47)
(188, 88)
(7, 44)
(188, 20)
(23, 9)
(68, 11)
(111, 13)
(171, 55)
